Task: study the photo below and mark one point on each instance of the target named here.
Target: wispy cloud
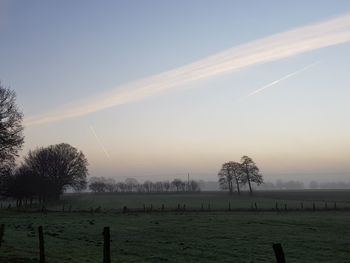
(277, 81)
(273, 48)
(99, 142)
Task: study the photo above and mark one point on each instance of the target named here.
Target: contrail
(99, 142)
(276, 47)
(275, 82)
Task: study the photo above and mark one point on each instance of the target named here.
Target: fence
(277, 248)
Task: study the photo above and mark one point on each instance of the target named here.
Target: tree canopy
(11, 130)
(235, 173)
(52, 170)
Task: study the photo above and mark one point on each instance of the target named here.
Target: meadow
(191, 235)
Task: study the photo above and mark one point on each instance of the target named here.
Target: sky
(159, 89)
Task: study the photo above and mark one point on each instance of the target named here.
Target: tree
(177, 183)
(250, 172)
(58, 167)
(11, 133)
(231, 172)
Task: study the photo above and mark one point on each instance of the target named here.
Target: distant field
(211, 236)
(214, 200)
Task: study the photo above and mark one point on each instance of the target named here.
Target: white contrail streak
(275, 82)
(99, 142)
(280, 46)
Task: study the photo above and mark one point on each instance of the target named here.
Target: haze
(159, 89)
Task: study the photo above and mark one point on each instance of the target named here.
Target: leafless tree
(250, 173)
(11, 133)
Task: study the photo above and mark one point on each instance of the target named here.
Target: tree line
(129, 185)
(237, 174)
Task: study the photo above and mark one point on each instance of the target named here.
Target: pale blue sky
(55, 53)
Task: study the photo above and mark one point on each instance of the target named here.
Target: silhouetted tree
(11, 136)
(98, 184)
(58, 167)
(131, 184)
(230, 173)
(177, 184)
(250, 173)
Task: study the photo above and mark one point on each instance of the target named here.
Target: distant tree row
(283, 185)
(329, 185)
(235, 174)
(103, 185)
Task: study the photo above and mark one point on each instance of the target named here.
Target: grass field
(215, 236)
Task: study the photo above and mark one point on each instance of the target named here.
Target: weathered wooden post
(41, 245)
(106, 245)
(2, 232)
(277, 248)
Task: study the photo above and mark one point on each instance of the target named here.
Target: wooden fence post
(277, 248)
(2, 232)
(41, 245)
(106, 245)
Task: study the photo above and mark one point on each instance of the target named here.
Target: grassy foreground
(321, 236)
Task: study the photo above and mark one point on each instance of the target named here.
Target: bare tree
(177, 183)
(58, 167)
(11, 133)
(226, 177)
(250, 173)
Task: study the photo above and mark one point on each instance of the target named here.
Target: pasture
(218, 235)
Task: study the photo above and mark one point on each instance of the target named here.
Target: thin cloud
(280, 46)
(99, 142)
(275, 82)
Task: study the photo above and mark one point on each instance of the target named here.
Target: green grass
(181, 236)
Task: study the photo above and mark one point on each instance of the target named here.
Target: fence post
(41, 245)
(106, 245)
(277, 248)
(2, 232)
(229, 206)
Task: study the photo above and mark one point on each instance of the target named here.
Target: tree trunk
(250, 186)
(238, 190)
